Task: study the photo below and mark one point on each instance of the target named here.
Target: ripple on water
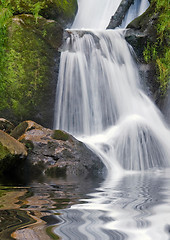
(135, 207)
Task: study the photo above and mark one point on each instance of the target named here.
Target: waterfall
(99, 98)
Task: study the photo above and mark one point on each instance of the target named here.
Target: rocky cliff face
(33, 33)
(148, 34)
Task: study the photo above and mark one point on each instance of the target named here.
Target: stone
(119, 15)
(12, 154)
(57, 152)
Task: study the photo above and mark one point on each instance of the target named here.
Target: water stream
(100, 101)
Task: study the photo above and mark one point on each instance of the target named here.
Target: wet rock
(12, 154)
(56, 152)
(119, 15)
(141, 30)
(139, 33)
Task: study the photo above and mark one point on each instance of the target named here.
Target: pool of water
(134, 206)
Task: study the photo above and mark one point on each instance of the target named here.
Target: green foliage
(25, 69)
(50, 8)
(5, 15)
(158, 51)
(26, 60)
(27, 52)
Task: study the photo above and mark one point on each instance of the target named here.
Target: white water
(95, 14)
(135, 10)
(99, 97)
(100, 101)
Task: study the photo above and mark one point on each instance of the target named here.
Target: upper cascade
(103, 10)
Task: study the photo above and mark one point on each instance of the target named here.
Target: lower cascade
(100, 100)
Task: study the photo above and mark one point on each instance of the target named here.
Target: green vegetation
(60, 135)
(28, 49)
(158, 51)
(51, 9)
(3, 152)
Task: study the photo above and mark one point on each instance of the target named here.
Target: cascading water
(99, 93)
(100, 101)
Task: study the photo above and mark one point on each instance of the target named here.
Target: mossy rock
(146, 23)
(60, 135)
(24, 127)
(30, 74)
(12, 154)
(4, 152)
(19, 130)
(63, 10)
(11, 145)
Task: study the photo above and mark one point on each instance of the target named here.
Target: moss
(51, 9)
(28, 53)
(4, 152)
(60, 135)
(157, 50)
(13, 146)
(19, 130)
(30, 58)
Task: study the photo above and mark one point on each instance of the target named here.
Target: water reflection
(133, 206)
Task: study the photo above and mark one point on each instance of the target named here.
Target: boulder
(12, 154)
(31, 69)
(56, 152)
(32, 36)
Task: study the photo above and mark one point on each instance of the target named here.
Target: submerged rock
(56, 152)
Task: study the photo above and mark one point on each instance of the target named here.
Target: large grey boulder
(56, 152)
